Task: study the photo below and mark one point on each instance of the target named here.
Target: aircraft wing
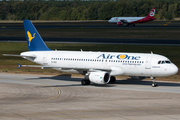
(67, 68)
(61, 68)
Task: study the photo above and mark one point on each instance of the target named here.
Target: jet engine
(99, 77)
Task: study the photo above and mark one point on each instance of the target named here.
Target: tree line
(87, 10)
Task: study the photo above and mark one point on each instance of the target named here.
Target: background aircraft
(97, 67)
(132, 20)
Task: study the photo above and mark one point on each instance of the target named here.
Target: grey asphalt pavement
(49, 97)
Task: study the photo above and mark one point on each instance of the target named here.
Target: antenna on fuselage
(151, 52)
(81, 50)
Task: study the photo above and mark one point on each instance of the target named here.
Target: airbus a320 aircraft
(132, 20)
(97, 67)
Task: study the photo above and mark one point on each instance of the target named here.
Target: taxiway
(48, 97)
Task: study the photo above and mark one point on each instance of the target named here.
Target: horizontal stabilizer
(11, 55)
(19, 65)
(31, 66)
(19, 55)
(42, 67)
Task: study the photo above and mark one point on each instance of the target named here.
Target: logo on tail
(30, 37)
(152, 12)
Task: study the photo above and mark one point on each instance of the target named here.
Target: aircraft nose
(174, 69)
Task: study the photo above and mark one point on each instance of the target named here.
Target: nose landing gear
(154, 84)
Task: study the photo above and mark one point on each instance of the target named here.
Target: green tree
(62, 15)
(93, 11)
(105, 12)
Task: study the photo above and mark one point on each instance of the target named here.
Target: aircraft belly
(133, 71)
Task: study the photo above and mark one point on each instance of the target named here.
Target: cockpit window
(164, 62)
(168, 62)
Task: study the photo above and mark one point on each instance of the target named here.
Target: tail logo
(30, 37)
(152, 12)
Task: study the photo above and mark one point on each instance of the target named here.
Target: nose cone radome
(174, 69)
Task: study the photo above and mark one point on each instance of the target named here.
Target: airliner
(97, 67)
(132, 20)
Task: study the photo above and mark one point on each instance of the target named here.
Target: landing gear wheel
(85, 82)
(133, 24)
(112, 79)
(154, 84)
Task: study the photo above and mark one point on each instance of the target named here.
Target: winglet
(19, 65)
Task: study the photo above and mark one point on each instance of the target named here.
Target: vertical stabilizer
(151, 13)
(34, 40)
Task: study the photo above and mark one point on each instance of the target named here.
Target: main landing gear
(128, 24)
(112, 79)
(154, 84)
(85, 82)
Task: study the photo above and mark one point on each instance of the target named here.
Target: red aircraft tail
(151, 13)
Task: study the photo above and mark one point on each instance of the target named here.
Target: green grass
(118, 32)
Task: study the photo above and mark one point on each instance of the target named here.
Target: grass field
(9, 64)
(13, 29)
(123, 33)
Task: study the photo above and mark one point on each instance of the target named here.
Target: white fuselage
(116, 63)
(127, 19)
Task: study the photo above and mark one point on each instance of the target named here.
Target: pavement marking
(59, 93)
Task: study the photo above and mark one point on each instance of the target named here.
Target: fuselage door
(148, 63)
(45, 62)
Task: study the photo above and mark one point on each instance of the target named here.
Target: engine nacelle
(99, 77)
(119, 23)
